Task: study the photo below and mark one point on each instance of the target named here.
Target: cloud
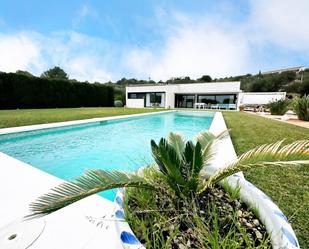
(18, 52)
(282, 22)
(85, 68)
(79, 55)
(84, 12)
(193, 48)
(270, 34)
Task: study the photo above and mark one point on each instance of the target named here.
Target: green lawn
(11, 118)
(289, 188)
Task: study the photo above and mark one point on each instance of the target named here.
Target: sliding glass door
(155, 99)
(220, 100)
(184, 100)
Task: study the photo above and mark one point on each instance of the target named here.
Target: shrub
(294, 87)
(22, 91)
(301, 107)
(241, 108)
(304, 88)
(118, 103)
(278, 107)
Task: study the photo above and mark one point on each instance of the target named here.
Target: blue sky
(107, 40)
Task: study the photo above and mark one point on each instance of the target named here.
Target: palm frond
(90, 183)
(296, 153)
(204, 138)
(168, 163)
(208, 143)
(177, 141)
(194, 159)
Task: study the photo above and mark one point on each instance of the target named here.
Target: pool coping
(86, 219)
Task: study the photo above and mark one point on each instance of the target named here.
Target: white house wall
(220, 87)
(135, 103)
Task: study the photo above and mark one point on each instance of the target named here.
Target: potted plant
(175, 203)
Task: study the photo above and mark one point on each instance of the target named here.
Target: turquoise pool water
(122, 144)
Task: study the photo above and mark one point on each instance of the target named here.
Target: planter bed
(278, 228)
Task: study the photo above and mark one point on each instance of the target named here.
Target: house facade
(219, 95)
(223, 94)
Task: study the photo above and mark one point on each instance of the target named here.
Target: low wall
(135, 103)
(260, 98)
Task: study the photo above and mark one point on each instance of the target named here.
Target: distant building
(291, 69)
(223, 95)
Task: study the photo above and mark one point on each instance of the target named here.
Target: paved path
(294, 120)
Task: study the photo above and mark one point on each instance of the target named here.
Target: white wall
(259, 98)
(135, 103)
(220, 87)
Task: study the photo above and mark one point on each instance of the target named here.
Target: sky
(100, 41)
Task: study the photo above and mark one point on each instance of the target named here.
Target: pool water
(122, 144)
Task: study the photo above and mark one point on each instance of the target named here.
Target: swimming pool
(122, 144)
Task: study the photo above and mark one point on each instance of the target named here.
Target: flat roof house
(223, 95)
(219, 95)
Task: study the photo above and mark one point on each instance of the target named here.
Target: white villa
(220, 95)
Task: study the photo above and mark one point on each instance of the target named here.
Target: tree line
(23, 90)
(290, 82)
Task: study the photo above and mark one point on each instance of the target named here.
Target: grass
(289, 188)
(12, 118)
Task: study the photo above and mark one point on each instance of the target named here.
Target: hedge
(21, 91)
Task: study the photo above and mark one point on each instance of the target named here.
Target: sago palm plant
(181, 164)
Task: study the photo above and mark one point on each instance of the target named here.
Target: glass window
(136, 95)
(225, 99)
(207, 99)
(132, 95)
(184, 101)
(190, 101)
(158, 98)
(180, 101)
(152, 97)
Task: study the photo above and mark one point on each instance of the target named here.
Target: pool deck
(293, 119)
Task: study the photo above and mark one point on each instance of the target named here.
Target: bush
(22, 91)
(294, 87)
(301, 107)
(278, 107)
(118, 103)
(304, 88)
